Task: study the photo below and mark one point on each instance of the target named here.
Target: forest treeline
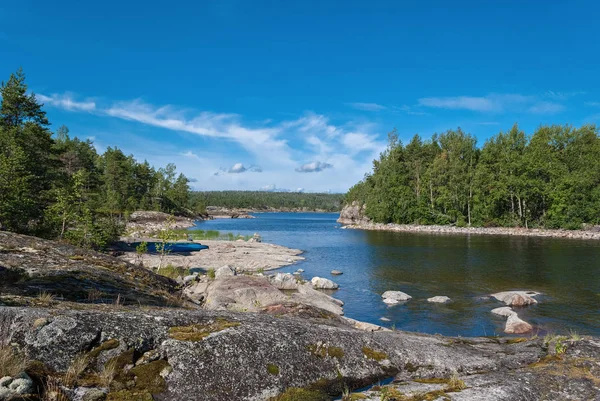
(549, 179)
(262, 200)
(55, 185)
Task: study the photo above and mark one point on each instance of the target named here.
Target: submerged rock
(516, 298)
(320, 283)
(440, 299)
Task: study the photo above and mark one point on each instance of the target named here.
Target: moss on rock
(300, 394)
(375, 355)
(197, 332)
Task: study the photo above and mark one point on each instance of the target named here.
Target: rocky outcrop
(31, 266)
(206, 355)
(144, 223)
(245, 293)
(218, 212)
(353, 213)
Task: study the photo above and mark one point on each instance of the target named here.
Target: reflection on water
(465, 268)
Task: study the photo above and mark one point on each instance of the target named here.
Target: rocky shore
(352, 217)
(76, 325)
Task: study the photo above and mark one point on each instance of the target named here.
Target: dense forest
(58, 186)
(550, 179)
(261, 200)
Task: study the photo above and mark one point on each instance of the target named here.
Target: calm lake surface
(465, 268)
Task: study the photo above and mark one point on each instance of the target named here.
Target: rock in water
(503, 311)
(514, 325)
(440, 299)
(320, 283)
(336, 272)
(394, 297)
(224, 271)
(516, 298)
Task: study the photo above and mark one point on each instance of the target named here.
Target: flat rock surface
(241, 255)
(248, 356)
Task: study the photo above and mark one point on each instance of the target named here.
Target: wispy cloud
(563, 95)
(313, 167)
(367, 106)
(406, 109)
(592, 104)
(546, 108)
(490, 103)
(496, 103)
(66, 101)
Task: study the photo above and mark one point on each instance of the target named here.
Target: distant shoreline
(505, 231)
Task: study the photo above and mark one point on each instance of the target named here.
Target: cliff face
(353, 213)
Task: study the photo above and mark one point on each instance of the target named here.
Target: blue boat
(173, 247)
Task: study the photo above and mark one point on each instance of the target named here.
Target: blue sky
(272, 94)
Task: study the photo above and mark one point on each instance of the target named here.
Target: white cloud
(313, 167)
(190, 155)
(592, 104)
(66, 102)
(367, 106)
(237, 168)
(546, 108)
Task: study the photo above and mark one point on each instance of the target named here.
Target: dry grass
(45, 298)
(77, 367)
(11, 362)
(53, 392)
(108, 373)
(455, 384)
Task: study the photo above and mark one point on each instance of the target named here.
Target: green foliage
(61, 187)
(261, 200)
(550, 179)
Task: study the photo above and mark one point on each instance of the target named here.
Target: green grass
(173, 271)
(199, 235)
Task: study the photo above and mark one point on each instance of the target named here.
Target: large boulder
(284, 281)
(516, 298)
(320, 283)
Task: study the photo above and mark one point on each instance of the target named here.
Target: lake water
(465, 268)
